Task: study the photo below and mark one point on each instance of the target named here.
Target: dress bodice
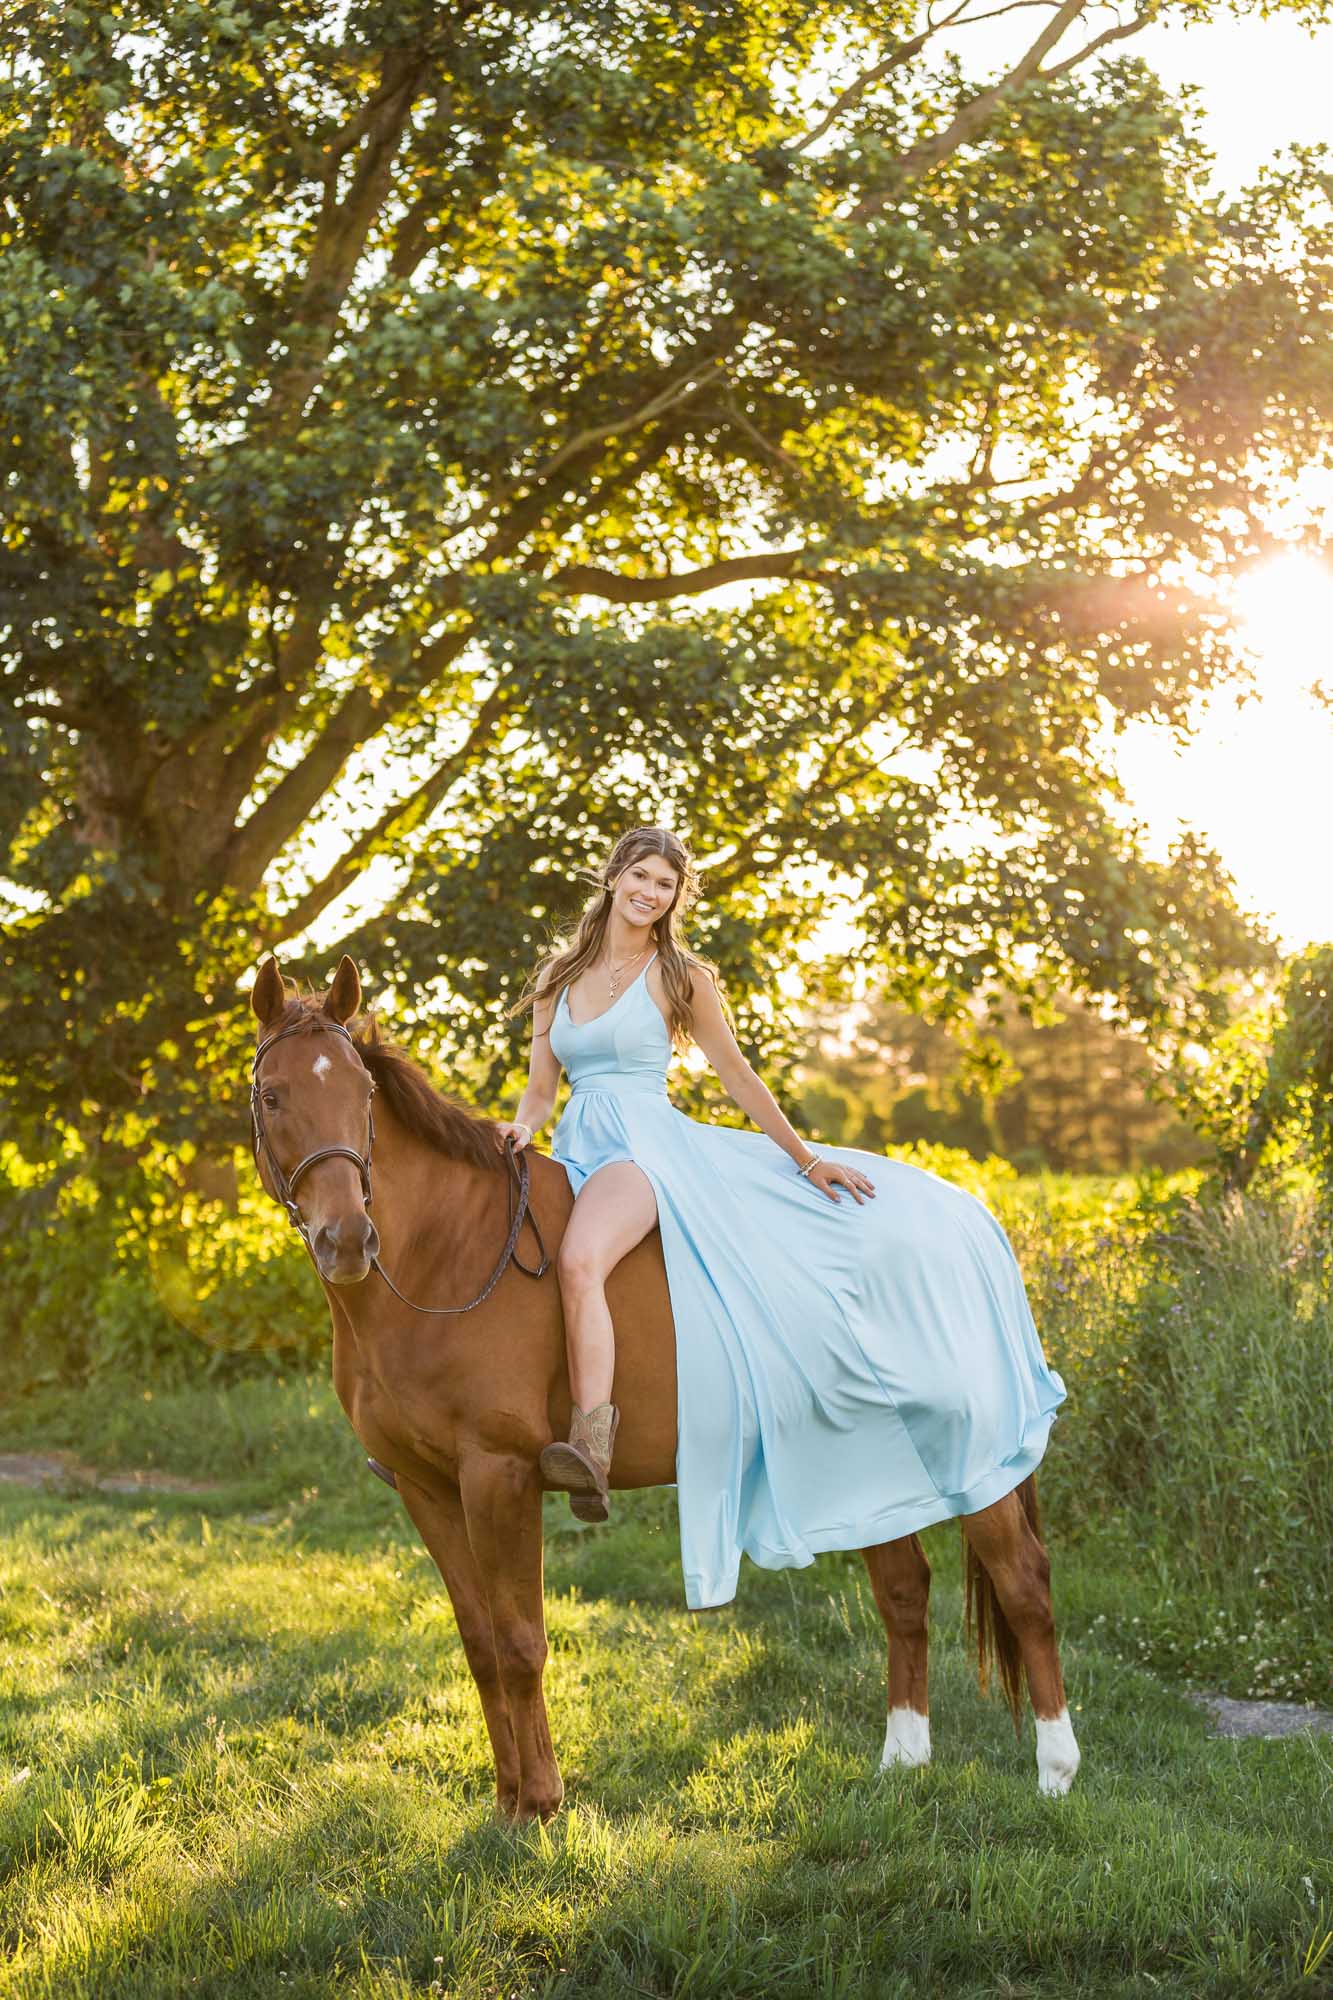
(626, 1047)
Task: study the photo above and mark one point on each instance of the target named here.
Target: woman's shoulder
(545, 982)
(701, 975)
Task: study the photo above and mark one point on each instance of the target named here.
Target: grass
(240, 1754)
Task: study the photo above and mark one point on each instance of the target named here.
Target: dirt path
(62, 1469)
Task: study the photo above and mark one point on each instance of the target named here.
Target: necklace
(613, 972)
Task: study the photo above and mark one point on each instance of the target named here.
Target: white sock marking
(907, 1739)
(322, 1067)
(1057, 1754)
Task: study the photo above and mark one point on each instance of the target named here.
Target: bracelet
(809, 1167)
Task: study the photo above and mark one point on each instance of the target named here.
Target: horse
(457, 1424)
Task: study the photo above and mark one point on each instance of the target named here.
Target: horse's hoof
(1057, 1754)
(906, 1740)
(538, 1805)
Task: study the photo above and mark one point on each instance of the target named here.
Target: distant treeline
(1072, 1096)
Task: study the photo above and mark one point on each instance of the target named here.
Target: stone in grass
(1268, 1719)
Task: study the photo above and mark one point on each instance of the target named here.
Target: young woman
(844, 1377)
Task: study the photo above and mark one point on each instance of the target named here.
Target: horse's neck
(433, 1213)
(442, 1225)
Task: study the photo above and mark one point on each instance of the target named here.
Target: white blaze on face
(323, 1064)
(907, 1738)
(1057, 1754)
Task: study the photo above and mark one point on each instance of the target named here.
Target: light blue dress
(847, 1373)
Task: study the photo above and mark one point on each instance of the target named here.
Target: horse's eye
(271, 1100)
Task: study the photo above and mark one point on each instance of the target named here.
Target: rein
(286, 1184)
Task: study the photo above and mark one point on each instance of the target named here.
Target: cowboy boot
(580, 1468)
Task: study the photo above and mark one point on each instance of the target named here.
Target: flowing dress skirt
(847, 1373)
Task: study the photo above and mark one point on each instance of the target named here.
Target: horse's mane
(442, 1122)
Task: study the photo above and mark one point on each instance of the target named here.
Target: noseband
(286, 1185)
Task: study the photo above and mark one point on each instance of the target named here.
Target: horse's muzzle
(344, 1250)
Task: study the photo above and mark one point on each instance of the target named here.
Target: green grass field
(241, 1755)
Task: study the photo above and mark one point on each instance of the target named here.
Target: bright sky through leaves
(1255, 778)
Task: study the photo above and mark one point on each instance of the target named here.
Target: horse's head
(313, 1128)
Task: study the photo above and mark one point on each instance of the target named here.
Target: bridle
(285, 1185)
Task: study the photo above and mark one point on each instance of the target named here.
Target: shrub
(130, 1275)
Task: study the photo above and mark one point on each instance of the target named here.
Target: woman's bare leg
(615, 1209)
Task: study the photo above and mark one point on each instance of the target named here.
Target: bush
(1194, 1332)
(132, 1276)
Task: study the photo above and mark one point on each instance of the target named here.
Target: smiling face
(644, 891)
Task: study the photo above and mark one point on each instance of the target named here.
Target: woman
(843, 1378)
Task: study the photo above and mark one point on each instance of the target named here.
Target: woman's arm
(747, 1089)
(538, 1099)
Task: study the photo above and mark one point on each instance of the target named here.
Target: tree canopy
(389, 389)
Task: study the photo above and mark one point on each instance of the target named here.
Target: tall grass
(128, 1276)
(1196, 1340)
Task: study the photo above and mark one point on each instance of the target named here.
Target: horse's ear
(268, 996)
(344, 996)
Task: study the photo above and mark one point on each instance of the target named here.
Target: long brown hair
(570, 955)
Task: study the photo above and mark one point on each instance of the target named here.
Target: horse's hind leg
(438, 1519)
(900, 1579)
(1016, 1583)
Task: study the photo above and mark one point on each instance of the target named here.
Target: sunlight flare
(1285, 615)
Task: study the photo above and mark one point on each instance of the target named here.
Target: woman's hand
(830, 1174)
(522, 1134)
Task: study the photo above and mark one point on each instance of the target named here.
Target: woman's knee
(580, 1267)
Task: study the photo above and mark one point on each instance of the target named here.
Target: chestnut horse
(459, 1409)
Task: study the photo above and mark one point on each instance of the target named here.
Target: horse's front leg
(438, 1518)
(502, 1501)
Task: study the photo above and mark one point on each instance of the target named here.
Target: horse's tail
(997, 1644)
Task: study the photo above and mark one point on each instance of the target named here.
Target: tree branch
(401, 818)
(685, 384)
(343, 227)
(973, 115)
(901, 53)
(362, 715)
(1116, 34)
(584, 580)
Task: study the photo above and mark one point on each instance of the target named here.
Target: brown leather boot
(580, 1468)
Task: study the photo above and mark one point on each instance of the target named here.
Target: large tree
(387, 387)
